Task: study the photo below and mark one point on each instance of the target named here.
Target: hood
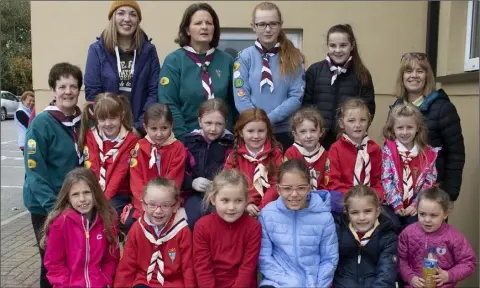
(318, 201)
(434, 96)
(197, 135)
(429, 100)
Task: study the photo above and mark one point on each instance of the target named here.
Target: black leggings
(37, 223)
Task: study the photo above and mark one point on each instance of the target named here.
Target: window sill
(459, 77)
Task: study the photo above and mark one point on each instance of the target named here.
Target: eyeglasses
(418, 55)
(302, 189)
(263, 25)
(164, 206)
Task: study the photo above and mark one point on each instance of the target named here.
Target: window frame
(470, 64)
(295, 35)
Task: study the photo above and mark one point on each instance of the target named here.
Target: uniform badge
(164, 81)
(236, 66)
(236, 74)
(87, 164)
(241, 92)
(86, 155)
(238, 83)
(172, 253)
(31, 163)
(133, 153)
(31, 146)
(133, 162)
(219, 73)
(326, 179)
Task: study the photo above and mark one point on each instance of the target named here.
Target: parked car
(10, 103)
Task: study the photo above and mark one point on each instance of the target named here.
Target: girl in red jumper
(354, 158)
(307, 129)
(408, 165)
(80, 236)
(106, 146)
(257, 154)
(229, 227)
(159, 248)
(159, 154)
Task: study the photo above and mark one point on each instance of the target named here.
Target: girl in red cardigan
(159, 248)
(354, 158)
(159, 154)
(80, 237)
(257, 154)
(229, 227)
(307, 129)
(106, 146)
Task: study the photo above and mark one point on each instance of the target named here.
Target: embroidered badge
(326, 179)
(133, 153)
(238, 83)
(241, 92)
(164, 81)
(31, 163)
(31, 146)
(172, 253)
(236, 74)
(441, 250)
(219, 73)
(86, 155)
(236, 66)
(133, 162)
(87, 164)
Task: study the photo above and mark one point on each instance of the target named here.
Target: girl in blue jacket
(124, 61)
(367, 242)
(299, 243)
(270, 74)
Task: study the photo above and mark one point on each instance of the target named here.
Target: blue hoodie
(299, 248)
(101, 76)
(280, 104)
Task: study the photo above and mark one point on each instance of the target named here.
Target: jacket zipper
(295, 247)
(87, 251)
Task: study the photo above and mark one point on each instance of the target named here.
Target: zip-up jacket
(77, 252)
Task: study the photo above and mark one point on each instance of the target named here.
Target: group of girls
(297, 240)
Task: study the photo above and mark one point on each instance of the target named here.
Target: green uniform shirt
(181, 88)
(49, 155)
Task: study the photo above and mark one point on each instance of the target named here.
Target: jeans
(194, 208)
(37, 222)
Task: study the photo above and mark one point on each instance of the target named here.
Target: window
(472, 44)
(233, 41)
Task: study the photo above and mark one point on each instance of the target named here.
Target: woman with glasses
(197, 71)
(270, 74)
(416, 85)
(339, 77)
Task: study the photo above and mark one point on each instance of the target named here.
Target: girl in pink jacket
(408, 163)
(456, 259)
(80, 243)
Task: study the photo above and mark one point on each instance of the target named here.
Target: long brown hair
(183, 38)
(109, 36)
(361, 70)
(309, 113)
(106, 105)
(290, 57)
(408, 63)
(252, 115)
(100, 203)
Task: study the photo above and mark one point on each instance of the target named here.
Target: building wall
(63, 30)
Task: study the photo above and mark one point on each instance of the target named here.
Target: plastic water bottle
(430, 263)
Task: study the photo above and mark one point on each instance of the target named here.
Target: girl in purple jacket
(408, 163)
(456, 259)
(80, 236)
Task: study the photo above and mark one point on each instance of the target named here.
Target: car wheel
(3, 114)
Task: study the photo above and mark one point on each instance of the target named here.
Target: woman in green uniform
(197, 71)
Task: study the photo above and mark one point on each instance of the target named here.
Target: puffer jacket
(454, 253)
(299, 248)
(445, 131)
(373, 265)
(320, 94)
(391, 179)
